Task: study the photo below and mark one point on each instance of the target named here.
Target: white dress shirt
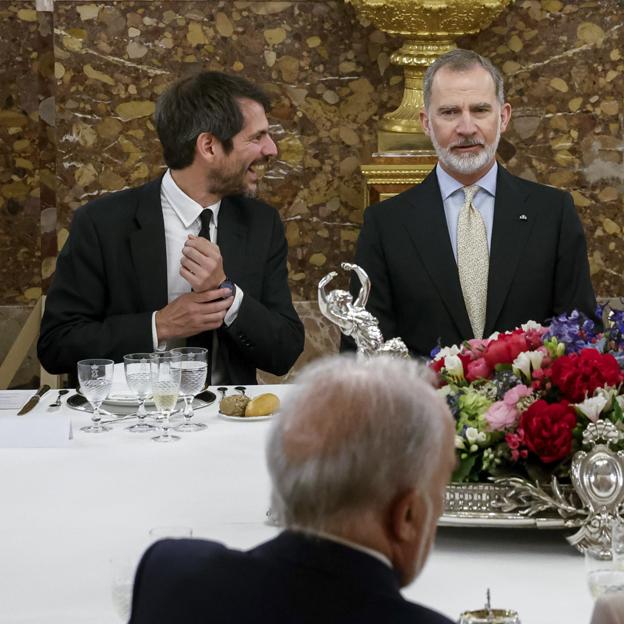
(181, 218)
(453, 200)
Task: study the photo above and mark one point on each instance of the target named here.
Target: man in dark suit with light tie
(358, 467)
(191, 256)
(472, 249)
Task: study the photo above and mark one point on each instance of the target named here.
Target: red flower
(505, 348)
(477, 369)
(577, 375)
(548, 429)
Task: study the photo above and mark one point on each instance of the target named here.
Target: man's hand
(201, 264)
(193, 313)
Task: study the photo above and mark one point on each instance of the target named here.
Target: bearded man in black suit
(358, 467)
(190, 257)
(472, 249)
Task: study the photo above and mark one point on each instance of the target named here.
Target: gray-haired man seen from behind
(358, 468)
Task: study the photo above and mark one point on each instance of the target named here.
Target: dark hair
(202, 102)
(459, 60)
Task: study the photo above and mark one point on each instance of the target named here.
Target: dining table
(69, 514)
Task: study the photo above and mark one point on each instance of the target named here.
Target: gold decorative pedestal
(404, 153)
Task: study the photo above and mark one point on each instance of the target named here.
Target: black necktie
(204, 339)
(205, 216)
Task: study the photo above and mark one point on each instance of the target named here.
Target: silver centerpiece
(590, 504)
(353, 318)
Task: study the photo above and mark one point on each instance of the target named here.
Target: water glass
(139, 379)
(617, 543)
(166, 373)
(194, 368)
(96, 379)
(603, 577)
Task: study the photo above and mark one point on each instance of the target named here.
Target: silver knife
(34, 399)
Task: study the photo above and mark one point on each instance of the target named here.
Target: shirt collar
(449, 185)
(349, 544)
(187, 209)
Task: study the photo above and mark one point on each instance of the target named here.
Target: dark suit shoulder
(118, 204)
(252, 207)
(529, 187)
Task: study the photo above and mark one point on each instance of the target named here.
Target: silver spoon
(57, 403)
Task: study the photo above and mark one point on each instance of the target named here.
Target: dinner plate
(245, 418)
(77, 401)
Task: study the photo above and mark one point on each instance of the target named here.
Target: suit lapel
(232, 237)
(428, 229)
(148, 248)
(513, 221)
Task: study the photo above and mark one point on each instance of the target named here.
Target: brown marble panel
(20, 44)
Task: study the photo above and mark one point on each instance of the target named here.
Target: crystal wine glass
(194, 367)
(139, 379)
(95, 378)
(166, 373)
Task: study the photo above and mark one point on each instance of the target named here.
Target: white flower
(529, 325)
(459, 442)
(526, 362)
(446, 351)
(592, 407)
(454, 366)
(474, 435)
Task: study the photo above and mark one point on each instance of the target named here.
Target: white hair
(352, 434)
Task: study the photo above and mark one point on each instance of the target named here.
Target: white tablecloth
(65, 513)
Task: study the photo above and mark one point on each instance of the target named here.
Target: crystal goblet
(166, 373)
(95, 378)
(194, 367)
(137, 367)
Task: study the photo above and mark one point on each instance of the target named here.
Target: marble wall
(76, 105)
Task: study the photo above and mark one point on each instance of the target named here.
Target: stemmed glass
(139, 380)
(194, 367)
(95, 378)
(166, 373)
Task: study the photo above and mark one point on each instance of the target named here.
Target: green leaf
(617, 412)
(463, 469)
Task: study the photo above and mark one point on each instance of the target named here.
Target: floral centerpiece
(522, 399)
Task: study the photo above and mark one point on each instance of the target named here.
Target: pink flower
(477, 347)
(501, 416)
(477, 369)
(516, 393)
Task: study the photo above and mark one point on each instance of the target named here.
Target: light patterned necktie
(473, 260)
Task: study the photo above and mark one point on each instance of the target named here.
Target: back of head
(206, 101)
(460, 60)
(352, 434)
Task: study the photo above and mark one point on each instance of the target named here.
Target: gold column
(404, 153)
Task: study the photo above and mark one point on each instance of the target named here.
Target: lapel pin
(523, 217)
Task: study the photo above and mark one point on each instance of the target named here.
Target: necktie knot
(469, 193)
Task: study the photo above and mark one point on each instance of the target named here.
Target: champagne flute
(194, 367)
(139, 379)
(95, 378)
(166, 373)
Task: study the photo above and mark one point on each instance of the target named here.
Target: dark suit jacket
(538, 263)
(290, 579)
(111, 275)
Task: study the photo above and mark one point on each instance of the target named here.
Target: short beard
(468, 163)
(224, 184)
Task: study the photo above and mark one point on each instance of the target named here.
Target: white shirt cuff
(232, 313)
(157, 346)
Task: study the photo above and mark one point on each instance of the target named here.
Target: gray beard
(468, 163)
